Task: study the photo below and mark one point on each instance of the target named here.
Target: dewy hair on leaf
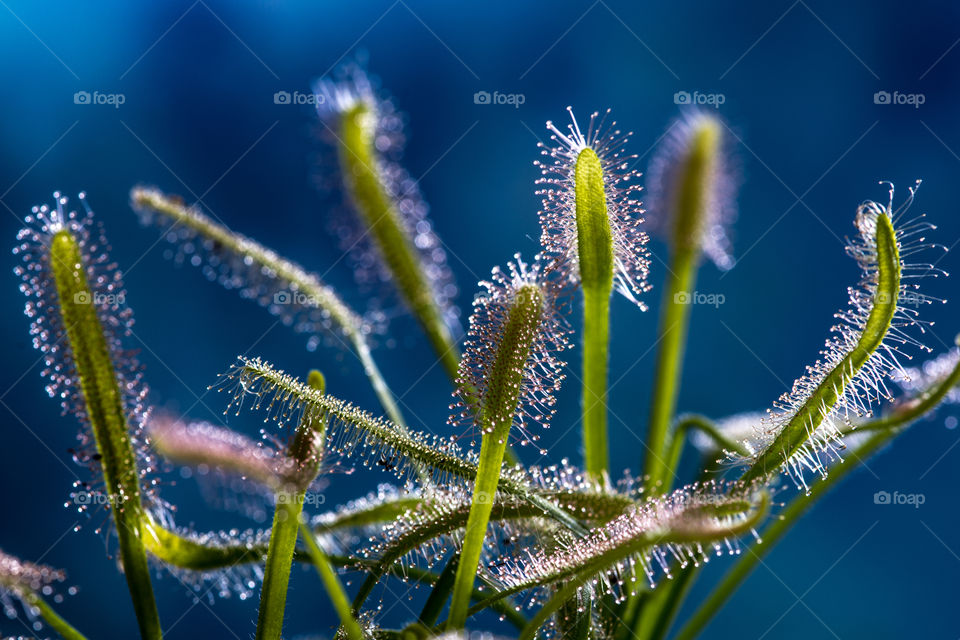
(600, 556)
(28, 584)
(75, 298)
(283, 287)
(590, 232)
(590, 209)
(391, 223)
(802, 432)
(508, 375)
(701, 216)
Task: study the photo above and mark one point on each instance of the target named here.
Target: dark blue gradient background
(199, 120)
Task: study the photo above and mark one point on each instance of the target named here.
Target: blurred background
(823, 99)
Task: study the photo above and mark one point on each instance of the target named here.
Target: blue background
(199, 119)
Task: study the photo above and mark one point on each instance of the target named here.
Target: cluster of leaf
(480, 529)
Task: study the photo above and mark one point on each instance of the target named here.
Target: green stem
(668, 605)
(441, 591)
(359, 166)
(704, 425)
(495, 419)
(691, 200)
(305, 450)
(335, 591)
(276, 572)
(674, 318)
(103, 399)
(560, 598)
(52, 618)
(596, 324)
(488, 476)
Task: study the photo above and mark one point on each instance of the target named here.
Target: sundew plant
(566, 548)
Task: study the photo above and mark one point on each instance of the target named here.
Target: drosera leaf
(510, 366)
(367, 134)
(76, 295)
(680, 525)
(285, 288)
(803, 431)
(26, 582)
(873, 435)
(590, 233)
(194, 444)
(373, 440)
(691, 190)
(305, 455)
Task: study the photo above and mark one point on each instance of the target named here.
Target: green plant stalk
(559, 599)
(704, 425)
(595, 261)
(495, 420)
(441, 591)
(359, 165)
(286, 520)
(692, 198)
(884, 429)
(332, 584)
(276, 572)
(575, 620)
(504, 607)
(104, 407)
(52, 618)
(808, 418)
(326, 299)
